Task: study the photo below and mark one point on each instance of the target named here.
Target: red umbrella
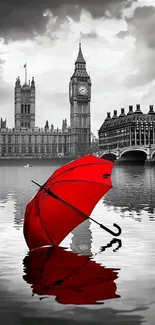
(66, 200)
(73, 279)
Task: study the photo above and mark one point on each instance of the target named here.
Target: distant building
(24, 104)
(80, 96)
(3, 124)
(25, 139)
(131, 129)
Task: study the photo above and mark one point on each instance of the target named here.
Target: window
(3, 150)
(16, 150)
(22, 106)
(9, 149)
(28, 109)
(9, 138)
(30, 150)
(42, 149)
(23, 149)
(48, 149)
(25, 109)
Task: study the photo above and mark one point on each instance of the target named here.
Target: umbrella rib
(71, 168)
(45, 230)
(81, 180)
(80, 212)
(61, 200)
(78, 180)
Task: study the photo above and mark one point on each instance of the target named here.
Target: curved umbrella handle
(112, 232)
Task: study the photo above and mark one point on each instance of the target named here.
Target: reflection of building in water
(19, 212)
(133, 190)
(82, 239)
(21, 200)
(3, 195)
(3, 201)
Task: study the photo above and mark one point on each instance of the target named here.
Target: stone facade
(24, 104)
(41, 142)
(27, 140)
(125, 130)
(80, 96)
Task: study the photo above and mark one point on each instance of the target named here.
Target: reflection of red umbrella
(66, 200)
(72, 278)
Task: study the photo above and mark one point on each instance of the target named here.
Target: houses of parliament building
(25, 139)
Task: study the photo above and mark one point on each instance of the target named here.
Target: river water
(130, 203)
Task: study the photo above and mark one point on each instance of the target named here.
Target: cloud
(148, 96)
(1, 66)
(5, 91)
(56, 106)
(23, 19)
(92, 35)
(141, 26)
(50, 59)
(122, 34)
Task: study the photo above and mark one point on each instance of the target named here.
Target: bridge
(132, 153)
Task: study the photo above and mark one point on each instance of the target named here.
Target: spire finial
(25, 66)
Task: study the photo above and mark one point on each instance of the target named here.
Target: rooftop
(131, 116)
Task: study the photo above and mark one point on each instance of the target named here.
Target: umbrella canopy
(66, 200)
(71, 278)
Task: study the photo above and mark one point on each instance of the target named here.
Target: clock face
(83, 90)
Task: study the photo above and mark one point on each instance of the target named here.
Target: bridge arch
(153, 155)
(109, 156)
(134, 154)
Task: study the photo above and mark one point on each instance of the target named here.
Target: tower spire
(80, 58)
(80, 96)
(25, 66)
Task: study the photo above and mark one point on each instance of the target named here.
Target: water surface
(130, 203)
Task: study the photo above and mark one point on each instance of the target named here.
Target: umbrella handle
(112, 232)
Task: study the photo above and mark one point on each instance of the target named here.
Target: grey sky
(118, 44)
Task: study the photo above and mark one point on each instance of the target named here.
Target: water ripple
(130, 203)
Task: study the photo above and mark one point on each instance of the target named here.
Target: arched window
(28, 109)
(22, 108)
(25, 109)
(21, 124)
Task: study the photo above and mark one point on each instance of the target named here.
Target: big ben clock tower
(80, 96)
